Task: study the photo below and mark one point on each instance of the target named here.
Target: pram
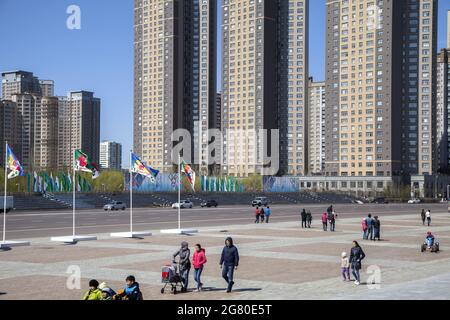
(171, 276)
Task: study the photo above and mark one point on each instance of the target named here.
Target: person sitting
(429, 240)
(107, 292)
(131, 291)
(94, 293)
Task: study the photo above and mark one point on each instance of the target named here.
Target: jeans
(370, 233)
(332, 225)
(184, 277)
(324, 224)
(355, 272)
(227, 274)
(267, 218)
(303, 223)
(365, 234)
(257, 219)
(345, 273)
(197, 275)
(428, 221)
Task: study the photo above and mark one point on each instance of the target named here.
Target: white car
(414, 201)
(183, 204)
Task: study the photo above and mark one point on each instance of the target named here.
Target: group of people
(329, 219)
(426, 216)
(306, 218)
(353, 262)
(102, 291)
(262, 214)
(371, 228)
(229, 262)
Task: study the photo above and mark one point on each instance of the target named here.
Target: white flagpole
(73, 198)
(179, 191)
(131, 192)
(4, 200)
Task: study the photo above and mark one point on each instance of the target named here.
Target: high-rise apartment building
(380, 110)
(79, 127)
(443, 111)
(45, 144)
(264, 84)
(10, 127)
(18, 82)
(110, 155)
(175, 68)
(448, 29)
(47, 88)
(316, 127)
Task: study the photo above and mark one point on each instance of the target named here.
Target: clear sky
(99, 57)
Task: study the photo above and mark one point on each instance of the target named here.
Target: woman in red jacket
(198, 260)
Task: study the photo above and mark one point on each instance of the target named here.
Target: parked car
(414, 201)
(358, 202)
(114, 205)
(380, 200)
(260, 201)
(9, 203)
(183, 204)
(209, 204)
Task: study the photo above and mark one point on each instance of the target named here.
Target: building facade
(443, 112)
(110, 155)
(18, 82)
(316, 127)
(380, 55)
(45, 144)
(175, 69)
(47, 88)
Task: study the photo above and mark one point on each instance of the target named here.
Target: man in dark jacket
(184, 263)
(229, 262)
(303, 216)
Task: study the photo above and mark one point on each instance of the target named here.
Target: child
(267, 212)
(131, 291)
(94, 292)
(345, 267)
(364, 229)
(324, 221)
(107, 292)
(257, 215)
(198, 260)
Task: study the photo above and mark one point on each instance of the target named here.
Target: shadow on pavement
(234, 290)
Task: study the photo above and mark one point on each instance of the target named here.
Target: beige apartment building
(45, 146)
(264, 84)
(175, 71)
(380, 110)
(316, 127)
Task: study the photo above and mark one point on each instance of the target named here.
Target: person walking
(184, 264)
(257, 215)
(303, 216)
(267, 212)
(428, 216)
(376, 228)
(364, 228)
(422, 215)
(356, 256)
(229, 261)
(332, 221)
(262, 214)
(198, 260)
(324, 221)
(345, 267)
(308, 219)
(369, 222)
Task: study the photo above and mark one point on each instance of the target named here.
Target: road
(36, 224)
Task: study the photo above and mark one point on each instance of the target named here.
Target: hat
(103, 286)
(344, 254)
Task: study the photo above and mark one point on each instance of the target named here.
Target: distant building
(47, 88)
(110, 155)
(443, 111)
(218, 111)
(19, 82)
(79, 126)
(10, 128)
(45, 146)
(316, 127)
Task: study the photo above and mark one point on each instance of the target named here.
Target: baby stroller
(171, 276)
(430, 244)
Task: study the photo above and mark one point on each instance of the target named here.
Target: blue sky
(99, 57)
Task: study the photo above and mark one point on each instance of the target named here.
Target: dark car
(209, 203)
(380, 200)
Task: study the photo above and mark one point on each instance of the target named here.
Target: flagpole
(179, 191)
(73, 199)
(4, 199)
(131, 192)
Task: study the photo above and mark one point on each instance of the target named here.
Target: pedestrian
(184, 264)
(332, 221)
(267, 212)
(376, 228)
(257, 215)
(356, 256)
(422, 215)
(94, 293)
(324, 221)
(345, 267)
(198, 260)
(303, 216)
(428, 216)
(364, 228)
(131, 292)
(369, 222)
(229, 261)
(308, 218)
(261, 214)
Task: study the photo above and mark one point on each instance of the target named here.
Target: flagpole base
(130, 235)
(179, 231)
(11, 244)
(73, 239)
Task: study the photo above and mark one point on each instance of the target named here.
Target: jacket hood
(184, 245)
(229, 239)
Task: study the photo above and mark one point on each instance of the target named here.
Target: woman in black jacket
(356, 256)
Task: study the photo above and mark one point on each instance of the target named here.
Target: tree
(253, 183)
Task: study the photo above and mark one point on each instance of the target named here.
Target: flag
(83, 163)
(138, 166)
(13, 164)
(57, 184)
(69, 182)
(190, 174)
(35, 180)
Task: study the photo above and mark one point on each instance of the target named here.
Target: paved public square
(279, 260)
